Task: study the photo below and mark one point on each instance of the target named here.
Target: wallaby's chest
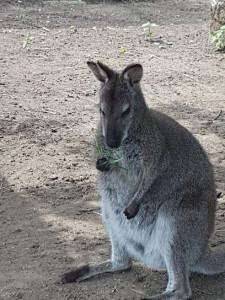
(119, 187)
(122, 182)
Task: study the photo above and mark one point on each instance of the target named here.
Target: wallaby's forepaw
(102, 164)
(131, 211)
(73, 276)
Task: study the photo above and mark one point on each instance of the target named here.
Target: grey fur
(164, 184)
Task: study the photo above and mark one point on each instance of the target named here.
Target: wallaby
(158, 200)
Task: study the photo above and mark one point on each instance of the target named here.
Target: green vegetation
(147, 29)
(218, 38)
(28, 39)
(72, 28)
(108, 155)
(123, 50)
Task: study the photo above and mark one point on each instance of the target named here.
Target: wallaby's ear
(133, 73)
(101, 71)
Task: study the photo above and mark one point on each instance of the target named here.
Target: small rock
(35, 246)
(53, 177)
(19, 295)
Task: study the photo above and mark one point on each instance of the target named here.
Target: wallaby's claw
(102, 164)
(131, 211)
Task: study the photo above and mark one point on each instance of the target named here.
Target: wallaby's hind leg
(120, 261)
(178, 287)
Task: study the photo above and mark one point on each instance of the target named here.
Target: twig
(18, 137)
(95, 212)
(36, 26)
(46, 29)
(43, 111)
(111, 28)
(207, 293)
(54, 33)
(218, 115)
(37, 56)
(127, 52)
(140, 292)
(188, 76)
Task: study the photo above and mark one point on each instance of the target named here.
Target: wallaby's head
(120, 99)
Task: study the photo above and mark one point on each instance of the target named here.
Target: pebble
(19, 295)
(53, 177)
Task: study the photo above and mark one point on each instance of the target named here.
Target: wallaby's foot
(131, 211)
(73, 276)
(102, 164)
(89, 271)
(169, 296)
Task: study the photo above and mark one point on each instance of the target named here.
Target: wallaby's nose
(112, 142)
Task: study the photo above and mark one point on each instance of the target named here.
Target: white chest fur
(144, 243)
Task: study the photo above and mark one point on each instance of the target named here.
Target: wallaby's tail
(213, 261)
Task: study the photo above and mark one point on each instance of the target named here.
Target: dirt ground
(49, 207)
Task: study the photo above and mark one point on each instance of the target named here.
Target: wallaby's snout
(113, 140)
(112, 143)
(115, 131)
(115, 120)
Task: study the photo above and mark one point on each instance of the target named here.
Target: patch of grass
(28, 39)
(147, 29)
(218, 38)
(123, 50)
(72, 28)
(99, 149)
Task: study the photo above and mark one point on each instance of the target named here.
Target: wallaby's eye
(126, 112)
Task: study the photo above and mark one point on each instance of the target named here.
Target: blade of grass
(109, 153)
(99, 149)
(113, 161)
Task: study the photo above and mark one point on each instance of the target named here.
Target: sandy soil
(49, 207)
